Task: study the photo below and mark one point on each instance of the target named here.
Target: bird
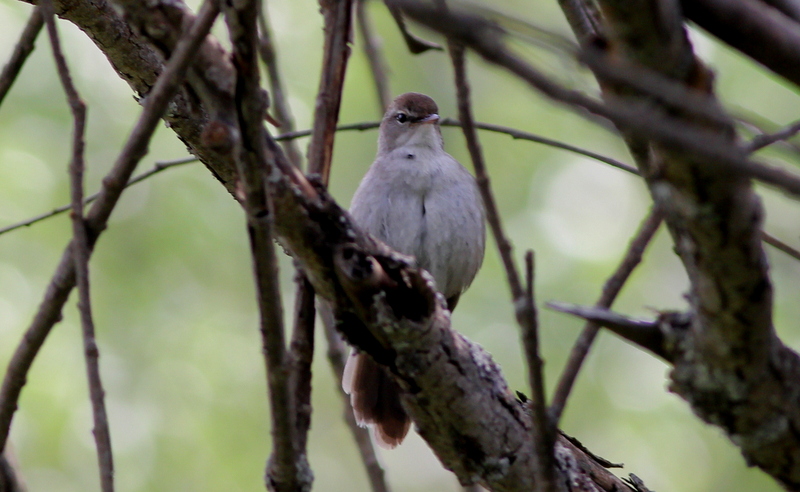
(421, 202)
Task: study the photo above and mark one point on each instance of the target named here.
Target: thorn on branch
(645, 334)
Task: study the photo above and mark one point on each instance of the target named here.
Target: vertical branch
(338, 20)
(301, 355)
(543, 431)
(337, 17)
(372, 48)
(611, 289)
(266, 48)
(81, 252)
(287, 469)
(337, 359)
(63, 280)
(22, 49)
(301, 352)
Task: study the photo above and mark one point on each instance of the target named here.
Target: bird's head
(412, 120)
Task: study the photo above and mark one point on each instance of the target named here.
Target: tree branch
(287, 469)
(635, 116)
(337, 357)
(81, 250)
(611, 289)
(763, 33)
(542, 431)
(644, 334)
(377, 62)
(266, 48)
(22, 49)
(338, 27)
(63, 280)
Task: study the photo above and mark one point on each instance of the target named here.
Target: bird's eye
(401, 117)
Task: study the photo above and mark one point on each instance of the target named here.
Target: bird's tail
(375, 398)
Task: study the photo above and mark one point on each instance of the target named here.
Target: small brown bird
(420, 201)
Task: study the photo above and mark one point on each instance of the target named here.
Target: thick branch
(759, 31)
(730, 359)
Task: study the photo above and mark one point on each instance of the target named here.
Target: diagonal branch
(22, 49)
(611, 289)
(337, 357)
(635, 116)
(759, 31)
(338, 26)
(372, 49)
(277, 91)
(63, 280)
(542, 431)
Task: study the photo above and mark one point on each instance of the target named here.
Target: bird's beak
(431, 118)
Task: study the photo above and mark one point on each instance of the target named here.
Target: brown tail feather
(375, 398)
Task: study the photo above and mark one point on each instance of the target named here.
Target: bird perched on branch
(420, 201)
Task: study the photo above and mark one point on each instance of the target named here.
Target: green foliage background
(173, 295)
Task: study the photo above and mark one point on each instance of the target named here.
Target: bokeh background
(173, 293)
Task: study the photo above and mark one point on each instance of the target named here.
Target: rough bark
(728, 363)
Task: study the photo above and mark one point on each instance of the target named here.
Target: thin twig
(81, 253)
(611, 289)
(377, 62)
(778, 244)
(266, 48)
(159, 166)
(135, 148)
(512, 132)
(337, 357)
(338, 25)
(22, 49)
(543, 432)
(338, 22)
(766, 139)
(521, 135)
(757, 125)
(301, 350)
(369, 125)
